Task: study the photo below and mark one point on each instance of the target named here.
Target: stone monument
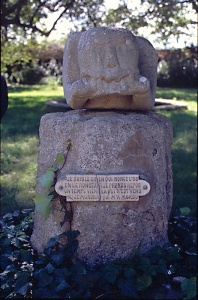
(117, 178)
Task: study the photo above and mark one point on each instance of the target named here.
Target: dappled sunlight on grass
(19, 147)
(36, 91)
(184, 157)
(18, 172)
(177, 94)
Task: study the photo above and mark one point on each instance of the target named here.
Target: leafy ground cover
(19, 144)
(167, 272)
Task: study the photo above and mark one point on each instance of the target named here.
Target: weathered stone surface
(108, 142)
(109, 68)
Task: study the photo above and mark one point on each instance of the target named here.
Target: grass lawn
(19, 145)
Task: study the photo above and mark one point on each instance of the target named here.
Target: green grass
(19, 146)
(184, 148)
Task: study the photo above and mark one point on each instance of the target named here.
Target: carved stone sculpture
(105, 68)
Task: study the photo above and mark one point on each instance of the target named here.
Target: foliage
(16, 55)
(25, 18)
(22, 18)
(48, 181)
(22, 21)
(171, 17)
(16, 253)
(126, 18)
(178, 68)
(32, 63)
(166, 272)
(25, 61)
(42, 63)
(165, 19)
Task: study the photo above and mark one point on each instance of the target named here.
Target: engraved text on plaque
(124, 187)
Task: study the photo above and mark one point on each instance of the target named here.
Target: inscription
(126, 187)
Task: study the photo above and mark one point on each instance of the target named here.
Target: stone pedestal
(109, 142)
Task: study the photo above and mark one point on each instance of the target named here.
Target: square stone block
(109, 142)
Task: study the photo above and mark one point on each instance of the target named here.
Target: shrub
(166, 272)
(178, 68)
(31, 74)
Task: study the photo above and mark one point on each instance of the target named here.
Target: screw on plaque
(60, 187)
(145, 187)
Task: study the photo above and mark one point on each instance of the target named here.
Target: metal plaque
(124, 187)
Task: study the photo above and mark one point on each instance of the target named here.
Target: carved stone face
(108, 71)
(104, 55)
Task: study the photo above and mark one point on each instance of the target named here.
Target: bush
(166, 272)
(37, 62)
(31, 74)
(37, 72)
(178, 68)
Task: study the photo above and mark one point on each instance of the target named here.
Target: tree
(22, 21)
(23, 18)
(164, 18)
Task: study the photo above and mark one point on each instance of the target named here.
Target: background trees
(25, 18)
(166, 18)
(23, 21)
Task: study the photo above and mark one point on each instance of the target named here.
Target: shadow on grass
(8, 201)
(184, 179)
(24, 88)
(179, 94)
(182, 121)
(22, 119)
(184, 159)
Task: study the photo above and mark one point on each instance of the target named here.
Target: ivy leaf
(173, 254)
(155, 253)
(47, 179)
(127, 288)
(111, 276)
(24, 289)
(42, 203)
(58, 258)
(62, 273)
(44, 279)
(53, 169)
(22, 283)
(143, 282)
(45, 293)
(50, 268)
(9, 269)
(189, 287)
(161, 267)
(62, 286)
(185, 211)
(60, 158)
(24, 255)
(129, 272)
